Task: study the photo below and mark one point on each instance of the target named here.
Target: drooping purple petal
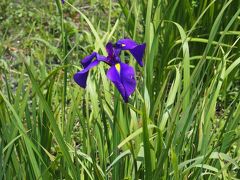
(137, 50)
(101, 58)
(63, 1)
(138, 53)
(81, 76)
(126, 44)
(114, 76)
(123, 77)
(127, 75)
(88, 63)
(88, 59)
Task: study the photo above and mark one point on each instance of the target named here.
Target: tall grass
(182, 122)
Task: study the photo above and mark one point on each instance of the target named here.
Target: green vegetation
(182, 122)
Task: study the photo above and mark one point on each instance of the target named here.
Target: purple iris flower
(63, 1)
(122, 75)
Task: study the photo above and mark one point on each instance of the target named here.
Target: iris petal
(123, 77)
(101, 58)
(109, 48)
(88, 59)
(113, 54)
(88, 63)
(138, 53)
(126, 44)
(127, 75)
(137, 50)
(81, 76)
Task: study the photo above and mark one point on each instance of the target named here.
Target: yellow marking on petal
(118, 67)
(123, 45)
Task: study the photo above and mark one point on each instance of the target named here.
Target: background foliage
(182, 122)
